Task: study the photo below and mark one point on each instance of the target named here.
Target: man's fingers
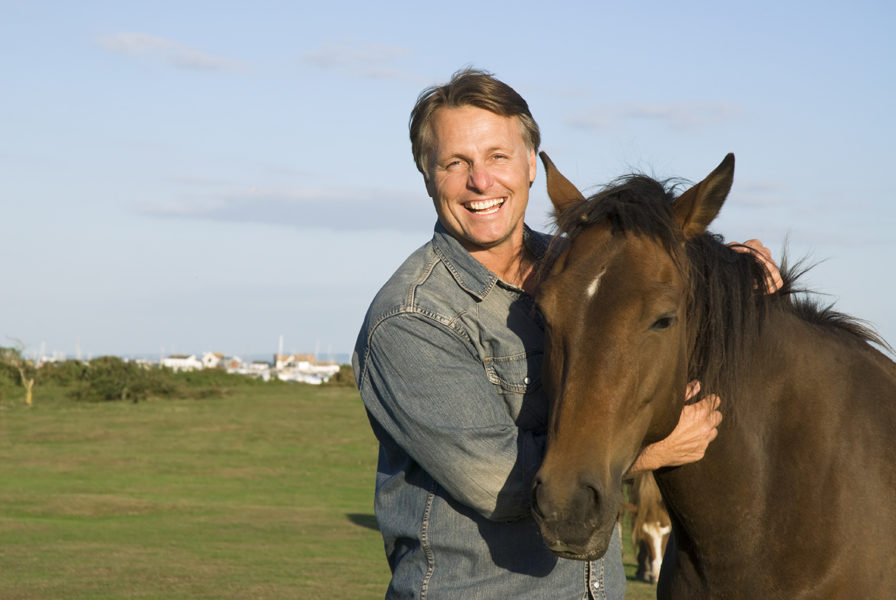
(758, 247)
(773, 280)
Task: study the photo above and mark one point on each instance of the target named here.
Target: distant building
(259, 369)
(303, 368)
(287, 361)
(212, 360)
(182, 362)
(232, 364)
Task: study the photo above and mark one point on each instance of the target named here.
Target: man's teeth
(480, 205)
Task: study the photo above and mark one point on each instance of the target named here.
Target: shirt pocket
(518, 379)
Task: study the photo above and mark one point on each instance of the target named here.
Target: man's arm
(425, 388)
(687, 443)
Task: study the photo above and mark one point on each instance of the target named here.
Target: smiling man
(448, 363)
(478, 173)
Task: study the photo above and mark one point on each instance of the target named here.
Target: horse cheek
(666, 399)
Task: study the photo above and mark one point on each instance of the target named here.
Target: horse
(650, 526)
(796, 497)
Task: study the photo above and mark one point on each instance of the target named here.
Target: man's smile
(485, 207)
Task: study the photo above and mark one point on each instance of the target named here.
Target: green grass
(265, 493)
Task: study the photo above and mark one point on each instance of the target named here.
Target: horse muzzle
(576, 522)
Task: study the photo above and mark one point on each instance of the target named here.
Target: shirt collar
(470, 274)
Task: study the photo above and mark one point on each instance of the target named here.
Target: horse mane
(727, 302)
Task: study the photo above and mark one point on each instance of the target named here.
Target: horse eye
(663, 323)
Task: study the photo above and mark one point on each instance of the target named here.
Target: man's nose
(481, 178)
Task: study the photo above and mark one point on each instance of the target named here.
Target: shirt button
(596, 585)
(526, 381)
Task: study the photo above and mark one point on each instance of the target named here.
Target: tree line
(109, 378)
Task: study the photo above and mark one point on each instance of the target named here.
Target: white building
(259, 369)
(211, 360)
(303, 368)
(233, 364)
(182, 362)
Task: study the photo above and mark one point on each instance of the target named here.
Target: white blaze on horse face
(655, 532)
(591, 290)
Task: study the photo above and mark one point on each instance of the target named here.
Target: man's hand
(697, 427)
(773, 281)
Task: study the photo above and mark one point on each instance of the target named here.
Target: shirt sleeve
(426, 388)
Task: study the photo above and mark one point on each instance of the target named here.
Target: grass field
(265, 493)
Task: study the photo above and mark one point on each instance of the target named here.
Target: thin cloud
(598, 119)
(761, 194)
(674, 116)
(372, 61)
(681, 116)
(335, 209)
(172, 53)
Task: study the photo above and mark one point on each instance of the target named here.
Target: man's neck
(514, 265)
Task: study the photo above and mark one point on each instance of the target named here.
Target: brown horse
(796, 498)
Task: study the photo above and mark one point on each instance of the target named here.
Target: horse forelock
(635, 203)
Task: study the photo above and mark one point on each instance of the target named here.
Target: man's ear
(533, 166)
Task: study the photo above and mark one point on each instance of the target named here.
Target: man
(448, 364)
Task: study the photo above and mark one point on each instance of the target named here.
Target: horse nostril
(595, 495)
(587, 499)
(581, 501)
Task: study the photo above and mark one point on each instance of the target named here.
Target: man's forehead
(455, 115)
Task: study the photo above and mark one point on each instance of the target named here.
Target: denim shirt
(448, 362)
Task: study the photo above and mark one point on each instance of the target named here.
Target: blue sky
(210, 176)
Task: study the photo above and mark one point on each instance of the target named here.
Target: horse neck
(795, 371)
(702, 497)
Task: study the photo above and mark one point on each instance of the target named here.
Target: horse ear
(562, 193)
(696, 208)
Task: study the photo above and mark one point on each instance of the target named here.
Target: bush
(345, 377)
(213, 378)
(64, 373)
(110, 378)
(9, 376)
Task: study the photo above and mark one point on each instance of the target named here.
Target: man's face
(478, 176)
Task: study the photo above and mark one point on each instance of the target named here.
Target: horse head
(617, 344)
